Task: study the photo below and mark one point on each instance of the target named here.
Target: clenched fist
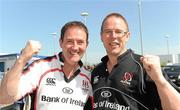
(152, 66)
(32, 47)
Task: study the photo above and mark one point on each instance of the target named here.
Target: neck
(113, 60)
(69, 70)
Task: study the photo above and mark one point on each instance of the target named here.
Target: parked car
(173, 71)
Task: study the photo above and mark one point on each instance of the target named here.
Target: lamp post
(140, 25)
(54, 35)
(85, 15)
(167, 44)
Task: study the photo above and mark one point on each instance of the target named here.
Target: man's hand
(32, 47)
(10, 83)
(152, 66)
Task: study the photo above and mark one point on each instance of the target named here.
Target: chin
(114, 52)
(75, 59)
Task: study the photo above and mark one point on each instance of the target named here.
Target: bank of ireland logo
(106, 94)
(67, 90)
(127, 78)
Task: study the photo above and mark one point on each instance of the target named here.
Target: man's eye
(80, 42)
(108, 31)
(69, 41)
(119, 32)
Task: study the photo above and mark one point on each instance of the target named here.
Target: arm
(9, 85)
(170, 98)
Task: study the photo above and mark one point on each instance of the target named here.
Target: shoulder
(85, 71)
(98, 67)
(136, 56)
(98, 70)
(38, 62)
(46, 59)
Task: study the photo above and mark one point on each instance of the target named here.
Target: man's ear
(101, 36)
(128, 35)
(87, 43)
(60, 42)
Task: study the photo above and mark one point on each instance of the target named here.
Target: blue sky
(23, 20)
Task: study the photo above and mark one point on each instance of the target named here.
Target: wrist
(22, 60)
(162, 82)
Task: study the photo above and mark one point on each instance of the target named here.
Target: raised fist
(152, 66)
(32, 47)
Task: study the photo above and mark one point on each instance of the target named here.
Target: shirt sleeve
(30, 78)
(89, 104)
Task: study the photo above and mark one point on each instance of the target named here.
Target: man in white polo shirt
(59, 81)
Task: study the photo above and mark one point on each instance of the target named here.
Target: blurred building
(170, 59)
(8, 60)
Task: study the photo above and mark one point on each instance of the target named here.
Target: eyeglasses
(119, 33)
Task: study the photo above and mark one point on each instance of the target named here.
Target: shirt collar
(106, 58)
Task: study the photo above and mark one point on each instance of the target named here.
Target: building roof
(17, 54)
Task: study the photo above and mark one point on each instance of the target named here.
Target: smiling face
(73, 44)
(115, 35)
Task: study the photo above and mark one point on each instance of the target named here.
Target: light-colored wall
(172, 58)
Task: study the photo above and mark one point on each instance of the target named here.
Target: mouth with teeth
(74, 56)
(114, 44)
(74, 53)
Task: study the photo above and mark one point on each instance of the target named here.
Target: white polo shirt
(53, 90)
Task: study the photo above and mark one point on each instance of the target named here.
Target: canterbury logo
(50, 81)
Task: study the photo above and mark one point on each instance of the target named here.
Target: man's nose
(113, 34)
(75, 45)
